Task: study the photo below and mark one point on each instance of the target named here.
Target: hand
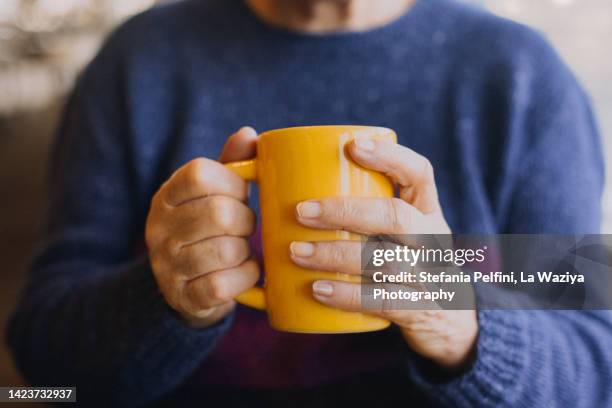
(445, 337)
(197, 232)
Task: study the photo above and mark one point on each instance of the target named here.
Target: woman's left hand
(445, 337)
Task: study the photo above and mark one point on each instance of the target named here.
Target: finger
(339, 295)
(348, 296)
(200, 178)
(343, 257)
(220, 287)
(336, 256)
(241, 145)
(362, 215)
(210, 255)
(209, 217)
(412, 171)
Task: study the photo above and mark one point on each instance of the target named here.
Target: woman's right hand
(197, 235)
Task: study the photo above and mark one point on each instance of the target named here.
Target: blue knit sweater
(505, 124)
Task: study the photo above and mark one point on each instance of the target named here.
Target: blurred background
(45, 43)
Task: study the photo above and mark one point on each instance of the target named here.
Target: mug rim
(274, 132)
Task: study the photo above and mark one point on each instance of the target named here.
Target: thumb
(240, 146)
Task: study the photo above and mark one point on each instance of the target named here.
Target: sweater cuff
(166, 345)
(502, 354)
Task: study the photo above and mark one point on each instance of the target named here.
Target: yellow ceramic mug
(293, 165)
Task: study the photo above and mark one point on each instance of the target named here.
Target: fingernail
(366, 145)
(309, 209)
(247, 129)
(322, 288)
(302, 249)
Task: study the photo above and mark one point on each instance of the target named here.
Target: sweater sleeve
(539, 358)
(91, 315)
(530, 359)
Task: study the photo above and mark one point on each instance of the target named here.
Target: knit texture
(508, 129)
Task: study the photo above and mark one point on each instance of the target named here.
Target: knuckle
(171, 247)
(242, 221)
(190, 300)
(345, 209)
(156, 199)
(335, 255)
(220, 208)
(158, 265)
(154, 204)
(174, 282)
(190, 263)
(227, 252)
(171, 290)
(395, 215)
(176, 302)
(427, 175)
(152, 235)
(355, 298)
(216, 289)
(222, 253)
(251, 269)
(196, 171)
(154, 231)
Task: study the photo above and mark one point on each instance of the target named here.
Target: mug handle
(254, 297)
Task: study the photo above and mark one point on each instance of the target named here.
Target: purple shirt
(254, 355)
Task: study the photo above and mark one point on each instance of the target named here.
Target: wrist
(455, 363)
(461, 356)
(445, 367)
(450, 344)
(499, 369)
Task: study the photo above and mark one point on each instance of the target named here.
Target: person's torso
(227, 70)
